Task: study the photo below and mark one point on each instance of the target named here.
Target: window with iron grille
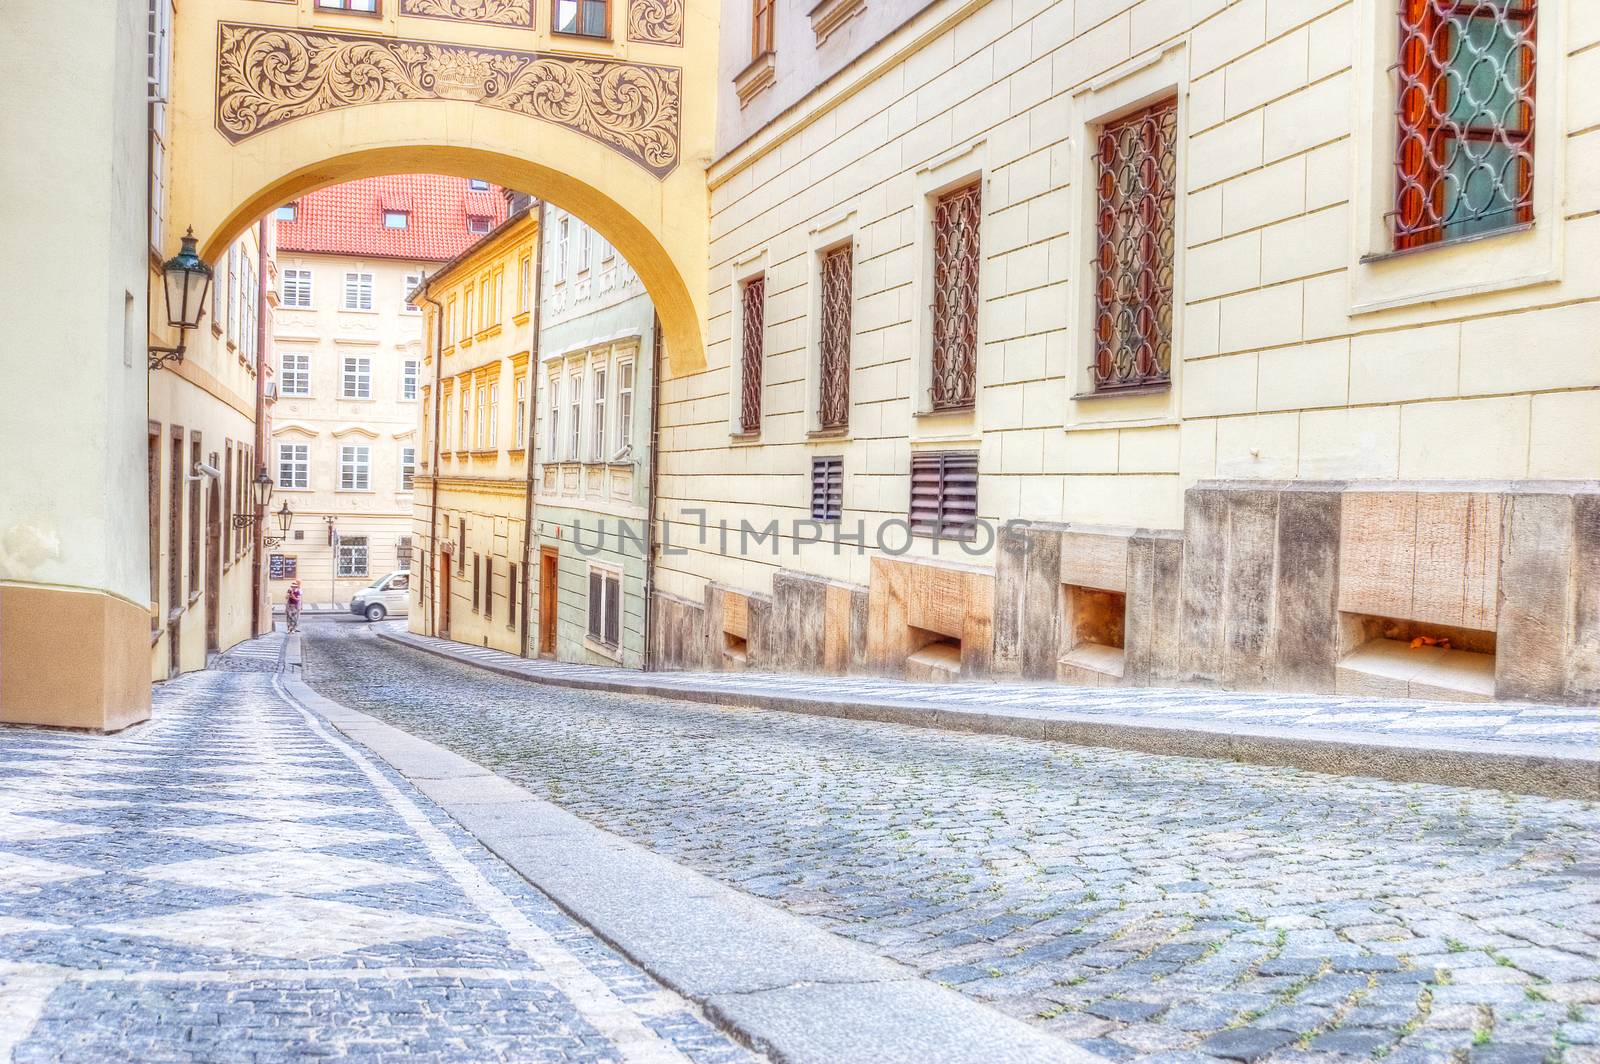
(477, 572)
(402, 553)
(488, 587)
(605, 606)
(944, 494)
(752, 301)
(956, 218)
(833, 404)
(1137, 170)
(827, 488)
(352, 556)
(1465, 108)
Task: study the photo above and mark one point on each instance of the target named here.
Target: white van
(388, 595)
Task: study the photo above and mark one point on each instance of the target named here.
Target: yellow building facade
(473, 502)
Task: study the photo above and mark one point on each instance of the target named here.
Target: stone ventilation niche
(1094, 607)
(735, 632)
(929, 621)
(1418, 591)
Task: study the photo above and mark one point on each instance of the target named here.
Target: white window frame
(294, 466)
(494, 414)
(357, 290)
(520, 431)
(355, 380)
(563, 236)
(299, 373)
(553, 445)
(410, 372)
(611, 599)
(625, 368)
(408, 468)
(403, 217)
(411, 282)
(355, 467)
(295, 289)
(465, 440)
(575, 413)
(599, 384)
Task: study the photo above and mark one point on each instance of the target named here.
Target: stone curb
(787, 988)
(1525, 768)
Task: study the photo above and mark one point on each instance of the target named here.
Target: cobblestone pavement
(231, 882)
(1577, 727)
(1140, 906)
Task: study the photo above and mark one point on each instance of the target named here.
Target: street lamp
(285, 522)
(261, 495)
(186, 280)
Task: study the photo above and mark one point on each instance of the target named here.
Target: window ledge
(745, 437)
(1461, 241)
(1119, 393)
(841, 433)
(759, 76)
(603, 649)
(828, 15)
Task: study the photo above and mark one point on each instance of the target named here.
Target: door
(549, 561)
(441, 591)
(214, 567)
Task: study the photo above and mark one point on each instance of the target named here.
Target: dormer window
(287, 212)
(478, 185)
(396, 219)
(478, 223)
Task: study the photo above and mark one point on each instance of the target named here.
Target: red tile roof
(348, 219)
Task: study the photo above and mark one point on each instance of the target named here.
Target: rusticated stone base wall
(1463, 592)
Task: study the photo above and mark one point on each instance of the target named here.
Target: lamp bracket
(160, 356)
(271, 541)
(243, 520)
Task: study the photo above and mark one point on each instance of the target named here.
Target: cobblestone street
(233, 882)
(1138, 906)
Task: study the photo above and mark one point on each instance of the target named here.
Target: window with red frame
(1464, 158)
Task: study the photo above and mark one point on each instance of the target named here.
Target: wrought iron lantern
(285, 522)
(263, 490)
(186, 281)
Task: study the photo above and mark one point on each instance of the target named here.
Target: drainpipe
(650, 491)
(260, 611)
(530, 439)
(438, 400)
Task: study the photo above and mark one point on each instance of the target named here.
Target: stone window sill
(759, 76)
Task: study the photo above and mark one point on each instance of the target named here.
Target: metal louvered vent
(827, 488)
(944, 494)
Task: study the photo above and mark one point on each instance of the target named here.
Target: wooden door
(214, 567)
(549, 568)
(441, 590)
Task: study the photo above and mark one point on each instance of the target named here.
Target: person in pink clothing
(291, 606)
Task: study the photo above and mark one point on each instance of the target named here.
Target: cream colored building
(472, 501)
(118, 559)
(1349, 376)
(349, 353)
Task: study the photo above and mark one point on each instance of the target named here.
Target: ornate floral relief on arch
(267, 76)
(517, 13)
(656, 22)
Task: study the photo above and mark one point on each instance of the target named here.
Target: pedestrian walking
(291, 606)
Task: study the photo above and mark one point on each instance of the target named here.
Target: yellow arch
(220, 184)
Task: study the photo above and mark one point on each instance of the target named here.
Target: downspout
(259, 608)
(433, 480)
(530, 440)
(650, 491)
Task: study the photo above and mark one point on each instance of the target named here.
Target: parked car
(387, 595)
